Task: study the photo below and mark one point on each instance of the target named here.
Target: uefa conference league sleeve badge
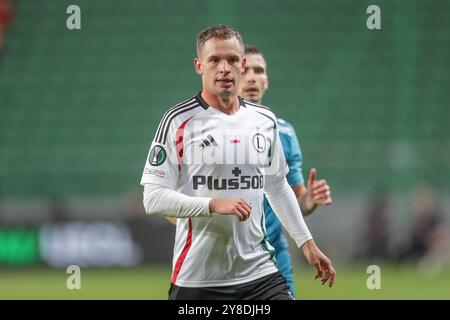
(157, 156)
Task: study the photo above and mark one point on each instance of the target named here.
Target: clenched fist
(238, 207)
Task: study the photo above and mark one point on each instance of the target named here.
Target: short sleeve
(161, 166)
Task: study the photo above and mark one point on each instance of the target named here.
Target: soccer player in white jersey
(212, 160)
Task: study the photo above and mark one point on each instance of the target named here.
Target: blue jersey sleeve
(294, 158)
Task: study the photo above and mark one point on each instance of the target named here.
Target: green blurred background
(79, 109)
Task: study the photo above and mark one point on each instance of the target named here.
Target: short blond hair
(218, 31)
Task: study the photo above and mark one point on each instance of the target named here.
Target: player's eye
(233, 59)
(259, 70)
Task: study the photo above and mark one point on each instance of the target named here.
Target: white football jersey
(202, 152)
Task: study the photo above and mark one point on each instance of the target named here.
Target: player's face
(220, 64)
(254, 82)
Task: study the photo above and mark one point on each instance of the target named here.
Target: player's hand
(319, 192)
(323, 266)
(238, 207)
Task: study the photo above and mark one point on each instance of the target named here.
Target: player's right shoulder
(176, 116)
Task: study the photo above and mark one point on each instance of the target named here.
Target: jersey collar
(205, 106)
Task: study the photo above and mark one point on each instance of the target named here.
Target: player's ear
(198, 66)
(243, 63)
(266, 83)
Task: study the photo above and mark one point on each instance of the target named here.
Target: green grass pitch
(152, 283)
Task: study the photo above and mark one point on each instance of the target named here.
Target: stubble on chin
(225, 94)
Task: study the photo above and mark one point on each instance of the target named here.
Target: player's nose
(224, 67)
(250, 76)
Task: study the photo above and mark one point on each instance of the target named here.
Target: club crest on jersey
(157, 156)
(259, 142)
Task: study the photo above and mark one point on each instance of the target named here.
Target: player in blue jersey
(253, 85)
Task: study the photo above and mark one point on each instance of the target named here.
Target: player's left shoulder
(260, 109)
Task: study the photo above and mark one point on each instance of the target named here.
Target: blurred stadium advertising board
(87, 244)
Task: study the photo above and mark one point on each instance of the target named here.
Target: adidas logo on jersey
(208, 141)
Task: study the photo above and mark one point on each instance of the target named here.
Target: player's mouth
(251, 91)
(225, 82)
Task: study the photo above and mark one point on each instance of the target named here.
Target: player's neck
(229, 105)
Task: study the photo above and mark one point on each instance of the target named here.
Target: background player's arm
(317, 193)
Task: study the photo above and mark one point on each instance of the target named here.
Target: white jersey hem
(221, 283)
